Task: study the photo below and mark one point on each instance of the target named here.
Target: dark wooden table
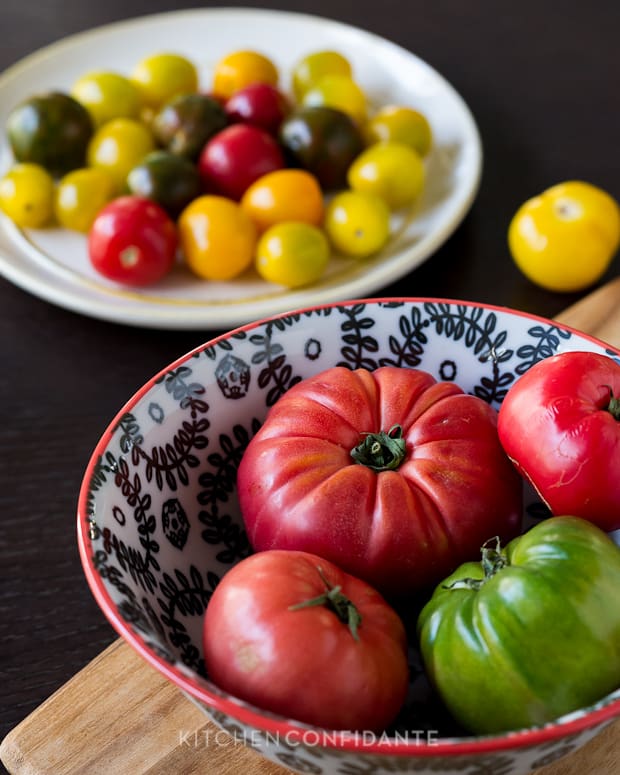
(541, 80)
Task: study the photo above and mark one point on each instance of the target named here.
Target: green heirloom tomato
(530, 633)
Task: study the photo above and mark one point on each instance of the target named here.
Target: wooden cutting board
(119, 716)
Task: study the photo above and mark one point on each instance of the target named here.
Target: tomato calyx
(613, 407)
(335, 601)
(381, 451)
(493, 560)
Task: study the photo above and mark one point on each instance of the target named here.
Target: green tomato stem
(493, 560)
(381, 451)
(335, 601)
(613, 407)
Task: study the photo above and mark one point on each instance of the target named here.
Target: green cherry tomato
(107, 95)
(531, 632)
(170, 180)
(357, 223)
(392, 171)
(292, 254)
(52, 130)
(162, 76)
(27, 195)
(118, 146)
(393, 123)
(315, 66)
(80, 195)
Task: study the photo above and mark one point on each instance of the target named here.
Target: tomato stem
(493, 560)
(381, 451)
(613, 407)
(333, 599)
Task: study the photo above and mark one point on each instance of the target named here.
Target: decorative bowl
(159, 523)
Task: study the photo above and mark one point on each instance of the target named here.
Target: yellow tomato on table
(565, 239)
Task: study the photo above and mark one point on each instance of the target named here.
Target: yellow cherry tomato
(292, 254)
(107, 95)
(392, 171)
(284, 195)
(565, 238)
(80, 195)
(118, 146)
(340, 92)
(357, 223)
(161, 77)
(217, 237)
(393, 123)
(27, 195)
(240, 69)
(314, 66)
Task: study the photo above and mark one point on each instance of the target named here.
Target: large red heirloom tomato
(391, 475)
(560, 424)
(293, 634)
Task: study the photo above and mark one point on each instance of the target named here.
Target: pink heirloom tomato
(560, 425)
(389, 474)
(291, 633)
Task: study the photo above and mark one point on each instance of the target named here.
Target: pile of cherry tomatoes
(156, 167)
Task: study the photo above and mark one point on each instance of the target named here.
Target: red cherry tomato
(237, 156)
(132, 241)
(259, 104)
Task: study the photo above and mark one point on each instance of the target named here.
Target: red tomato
(560, 425)
(132, 241)
(259, 104)
(237, 156)
(430, 502)
(291, 633)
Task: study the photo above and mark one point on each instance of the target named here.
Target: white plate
(53, 263)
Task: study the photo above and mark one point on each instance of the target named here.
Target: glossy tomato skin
(400, 530)
(323, 140)
(259, 104)
(556, 427)
(538, 639)
(236, 157)
(306, 663)
(132, 241)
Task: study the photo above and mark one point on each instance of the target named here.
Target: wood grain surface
(118, 715)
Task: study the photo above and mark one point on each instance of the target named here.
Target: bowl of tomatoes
(359, 539)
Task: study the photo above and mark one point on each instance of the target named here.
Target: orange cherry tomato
(284, 195)
(217, 237)
(240, 69)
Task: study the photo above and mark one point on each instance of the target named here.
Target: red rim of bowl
(298, 732)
